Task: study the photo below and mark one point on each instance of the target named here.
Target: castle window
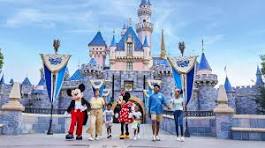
(144, 20)
(129, 66)
(129, 49)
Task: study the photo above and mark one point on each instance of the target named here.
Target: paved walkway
(167, 141)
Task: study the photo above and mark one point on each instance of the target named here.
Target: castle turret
(230, 93)
(26, 87)
(98, 49)
(205, 82)
(112, 50)
(147, 52)
(144, 27)
(259, 81)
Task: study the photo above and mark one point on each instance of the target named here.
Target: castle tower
(26, 87)
(205, 82)
(230, 93)
(259, 81)
(147, 54)
(112, 49)
(98, 49)
(144, 27)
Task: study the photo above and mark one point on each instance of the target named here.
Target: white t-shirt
(108, 115)
(137, 115)
(177, 104)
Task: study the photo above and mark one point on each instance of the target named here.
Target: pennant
(183, 69)
(54, 71)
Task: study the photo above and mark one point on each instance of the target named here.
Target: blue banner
(54, 70)
(177, 78)
(190, 80)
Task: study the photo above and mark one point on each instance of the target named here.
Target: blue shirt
(156, 102)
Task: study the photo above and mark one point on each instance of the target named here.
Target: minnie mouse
(78, 109)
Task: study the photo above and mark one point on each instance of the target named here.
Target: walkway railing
(44, 110)
(193, 113)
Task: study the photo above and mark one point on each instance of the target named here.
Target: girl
(137, 116)
(178, 107)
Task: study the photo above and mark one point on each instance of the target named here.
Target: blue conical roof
(259, 81)
(26, 82)
(145, 42)
(93, 62)
(76, 76)
(204, 65)
(113, 42)
(2, 81)
(97, 40)
(227, 85)
(145, 2)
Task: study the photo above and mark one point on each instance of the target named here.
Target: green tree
(261, 89)
(1, 59)
(262, 57)
(261, 100)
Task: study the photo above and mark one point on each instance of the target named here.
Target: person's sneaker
(182, 139)
(98, 138)
(157, 138)
(90, 138)
(135, 137)
(138, 136)
(154, 138)
(69, 137)
(178, 138)
(122, 136)
(109, 136)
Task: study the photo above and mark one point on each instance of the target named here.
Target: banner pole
(187, 132)
(50, 125)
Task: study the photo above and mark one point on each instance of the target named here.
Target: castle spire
(259, 81)
(163, 51)
(113, 41)
(203, 46)
(227, 85)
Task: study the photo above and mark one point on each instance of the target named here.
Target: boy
(108, 118)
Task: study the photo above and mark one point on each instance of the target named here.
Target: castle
(131, 64)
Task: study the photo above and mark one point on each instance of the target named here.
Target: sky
(233, 32)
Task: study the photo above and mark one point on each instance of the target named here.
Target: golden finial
(56, 45)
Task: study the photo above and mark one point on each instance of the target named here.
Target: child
(137, 116)
(108, 118)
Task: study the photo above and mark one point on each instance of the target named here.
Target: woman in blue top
(178, 107)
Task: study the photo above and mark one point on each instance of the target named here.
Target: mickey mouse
(78, 109)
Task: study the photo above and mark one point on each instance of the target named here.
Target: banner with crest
(184, 69)
(54, 70)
